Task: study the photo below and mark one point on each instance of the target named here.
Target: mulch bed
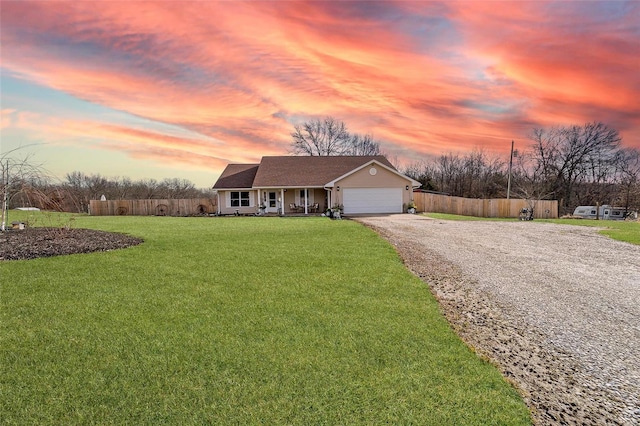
(32, 243)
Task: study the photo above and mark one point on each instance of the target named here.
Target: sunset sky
(178, 89)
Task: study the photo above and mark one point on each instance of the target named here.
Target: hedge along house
(312, 184)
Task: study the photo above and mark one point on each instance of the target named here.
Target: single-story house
(313, 184)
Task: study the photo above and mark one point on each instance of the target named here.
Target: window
(240, 199)
(300, 200)
(593, 212)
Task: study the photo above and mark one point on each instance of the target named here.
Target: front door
(272, 202)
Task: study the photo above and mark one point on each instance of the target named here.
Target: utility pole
(509, 178)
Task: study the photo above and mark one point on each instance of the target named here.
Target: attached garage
(372, 200)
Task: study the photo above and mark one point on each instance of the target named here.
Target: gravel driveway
(556, 308)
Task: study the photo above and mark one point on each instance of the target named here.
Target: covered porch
(294, 200)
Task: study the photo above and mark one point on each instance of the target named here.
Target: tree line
(29, 185)
(576, 165)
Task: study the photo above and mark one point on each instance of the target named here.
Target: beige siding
(382, 179)
(226, 208)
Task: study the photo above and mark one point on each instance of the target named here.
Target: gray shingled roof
(307, 171)
(237, 176)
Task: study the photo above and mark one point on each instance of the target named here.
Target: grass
(236, 321)
(618, 230)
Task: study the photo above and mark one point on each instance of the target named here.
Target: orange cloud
(423, 77)
(572, 66)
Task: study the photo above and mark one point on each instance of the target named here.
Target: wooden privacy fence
(176, 207)
(494, 207)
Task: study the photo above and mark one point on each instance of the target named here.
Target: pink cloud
(242, 73)
(571, 67)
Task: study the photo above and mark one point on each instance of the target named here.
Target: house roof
(297, 171)
(308, 171)
(237, 176)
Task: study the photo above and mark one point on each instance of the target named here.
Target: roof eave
(286, 186)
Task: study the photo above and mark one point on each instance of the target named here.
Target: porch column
(282, 202)
(306, 201)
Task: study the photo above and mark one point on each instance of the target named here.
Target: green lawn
(236, 321)
(618, 230)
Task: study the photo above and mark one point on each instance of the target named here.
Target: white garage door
(372, 200)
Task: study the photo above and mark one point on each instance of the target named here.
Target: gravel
(556, 308)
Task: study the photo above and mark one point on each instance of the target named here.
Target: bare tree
(569, 156)
(474, 175)
(330, 137)
(85, 187)
(424, 172)
(393, 160)
(177, 188)
(21, 178)
(530, 180)
(320, 137)
(449, 173)
(363, 145)
(482, 176)
(122, 188)
(147, 189)
(629, 179)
